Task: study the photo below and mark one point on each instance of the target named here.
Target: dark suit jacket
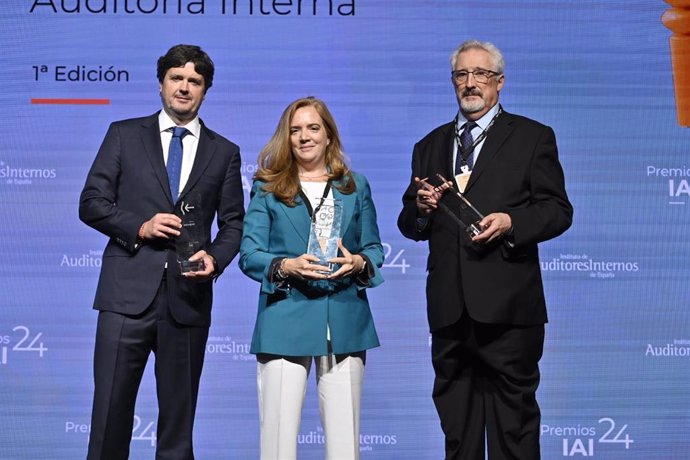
(127, 185)
(517, 172)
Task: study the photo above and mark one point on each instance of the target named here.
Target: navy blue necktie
(464, 156)
(174, 165)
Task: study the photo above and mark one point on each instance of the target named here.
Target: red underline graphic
(72, 101)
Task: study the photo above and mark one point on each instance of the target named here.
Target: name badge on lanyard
(465, 171)
(462, 178)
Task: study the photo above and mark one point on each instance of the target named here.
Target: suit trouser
(486, 381)
(282, 385)
(123, 345)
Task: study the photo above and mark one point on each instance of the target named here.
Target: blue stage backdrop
(616, 364)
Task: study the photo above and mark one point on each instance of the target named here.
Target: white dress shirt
(189, 143)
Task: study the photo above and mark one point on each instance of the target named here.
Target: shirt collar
(483, 122)
(165, 123)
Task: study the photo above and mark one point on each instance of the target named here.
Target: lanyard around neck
(465, 154)
(307, 203)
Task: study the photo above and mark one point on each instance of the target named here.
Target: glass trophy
(325, 231)
(460, 209)
(466, 213)
(192, 234)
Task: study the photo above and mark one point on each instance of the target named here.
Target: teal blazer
(291, 321)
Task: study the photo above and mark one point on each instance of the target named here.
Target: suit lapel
(448, 144)
(204, 153)
(348, 202)
(151, 139)
(494, 139)
(299, 218)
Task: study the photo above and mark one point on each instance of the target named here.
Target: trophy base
(328, 267)
(187, 266)
(473, 230)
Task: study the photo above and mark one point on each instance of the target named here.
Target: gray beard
(472, 106)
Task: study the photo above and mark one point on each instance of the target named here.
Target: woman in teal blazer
(306, 312)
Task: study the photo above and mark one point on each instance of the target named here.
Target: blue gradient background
(598, 72)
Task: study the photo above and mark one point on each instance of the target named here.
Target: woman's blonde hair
(277, 164)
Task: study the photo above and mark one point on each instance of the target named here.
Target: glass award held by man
(459, 208)
(324, 232)
(192, 234)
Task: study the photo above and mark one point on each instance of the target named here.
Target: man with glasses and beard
(485, 299)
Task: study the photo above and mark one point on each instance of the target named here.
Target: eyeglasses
(480, 75)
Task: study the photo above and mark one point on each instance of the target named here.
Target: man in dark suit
(485, 299)
(145, 168)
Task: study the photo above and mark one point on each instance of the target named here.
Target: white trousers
(282, 385)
